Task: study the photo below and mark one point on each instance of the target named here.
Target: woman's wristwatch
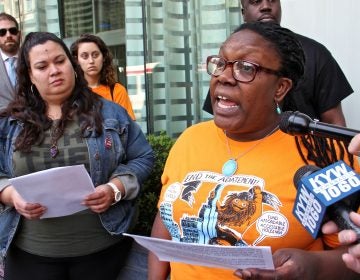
(117, 192)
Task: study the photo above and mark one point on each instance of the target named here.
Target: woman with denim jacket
(57, 121)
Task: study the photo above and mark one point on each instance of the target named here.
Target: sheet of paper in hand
(61, 189)
(208, 255)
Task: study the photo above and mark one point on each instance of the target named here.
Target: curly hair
(31, 110)
(321, 151)
(107, 73)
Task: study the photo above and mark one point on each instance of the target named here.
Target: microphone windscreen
(304, 171)
(284, 121)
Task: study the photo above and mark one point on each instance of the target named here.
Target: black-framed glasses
(242, 70)
(12, 30)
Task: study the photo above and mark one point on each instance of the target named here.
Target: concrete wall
(335, 24)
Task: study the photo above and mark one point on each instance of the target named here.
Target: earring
(31, 89)
(75, 75)
(278, 109)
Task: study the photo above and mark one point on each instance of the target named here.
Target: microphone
(296, 123)
(329, 192)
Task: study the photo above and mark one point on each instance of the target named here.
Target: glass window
(159, 48)
(178, 37)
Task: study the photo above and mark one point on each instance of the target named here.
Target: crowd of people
(65, 107)
(252, 80)
(320, 92)
(55, 120)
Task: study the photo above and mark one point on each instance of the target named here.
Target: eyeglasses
(12, 30)
(242, 70)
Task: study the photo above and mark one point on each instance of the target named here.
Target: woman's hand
(100, 200)
(30, 211)
(296, 264)
(290, 264)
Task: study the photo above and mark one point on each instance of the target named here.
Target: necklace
(230, 166)
(54, 150)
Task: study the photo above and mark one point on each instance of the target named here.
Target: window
(159, 48)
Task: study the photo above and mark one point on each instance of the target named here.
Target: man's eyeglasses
(12, 30)
(242, 70)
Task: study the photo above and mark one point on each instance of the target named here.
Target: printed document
(208, 255)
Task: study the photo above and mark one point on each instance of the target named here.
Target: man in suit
(324, 85)
(9, 46)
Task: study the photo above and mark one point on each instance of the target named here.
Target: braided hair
(321, 151)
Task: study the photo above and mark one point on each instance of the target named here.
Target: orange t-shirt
(120, 95)
(198, 204)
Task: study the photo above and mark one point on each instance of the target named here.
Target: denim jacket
(133, 159)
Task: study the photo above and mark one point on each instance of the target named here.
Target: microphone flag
(320, 190)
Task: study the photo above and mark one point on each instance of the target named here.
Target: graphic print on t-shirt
(210, 208)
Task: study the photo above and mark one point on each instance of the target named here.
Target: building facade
(159, 47)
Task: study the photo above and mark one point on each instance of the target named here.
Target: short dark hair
(10, 18)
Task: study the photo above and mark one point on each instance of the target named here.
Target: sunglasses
(12, 30)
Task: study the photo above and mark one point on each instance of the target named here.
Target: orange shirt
(198, 204)
(120, 95)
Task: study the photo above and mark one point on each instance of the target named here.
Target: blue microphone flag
(321, 189)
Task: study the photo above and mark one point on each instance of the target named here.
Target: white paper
(61, 190)
(208, 255)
